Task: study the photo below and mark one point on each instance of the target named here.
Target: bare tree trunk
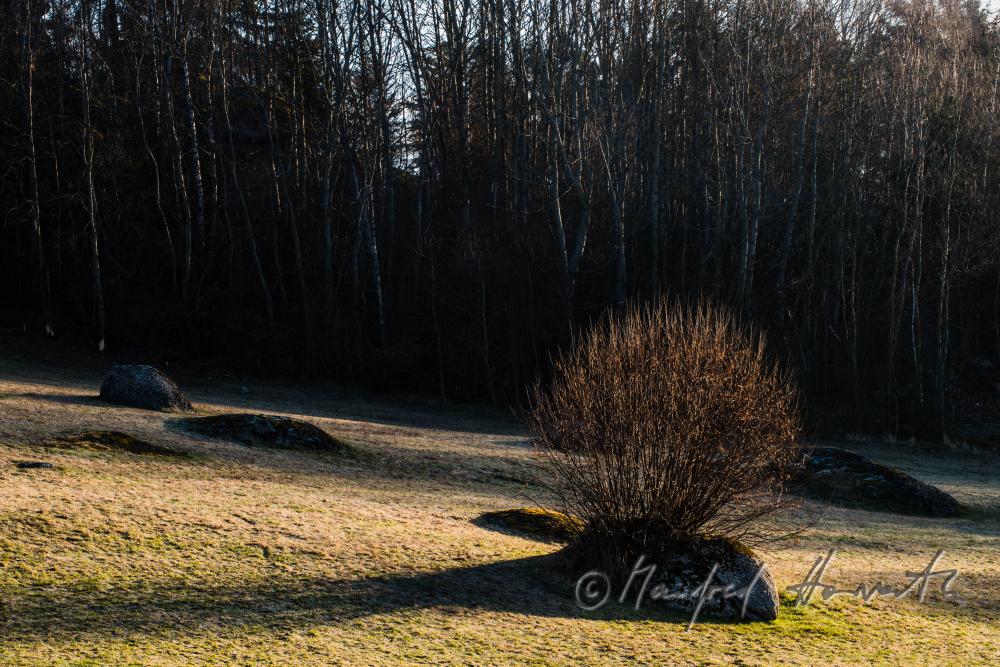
(252, 241)
(180, 182)
(326, 205)
(199, 192)
(618, 224)
(88, 167)
(41, 277)
(786, 241)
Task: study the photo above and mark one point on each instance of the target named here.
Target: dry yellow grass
(249, 556)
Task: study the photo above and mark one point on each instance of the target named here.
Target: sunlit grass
(249, 556)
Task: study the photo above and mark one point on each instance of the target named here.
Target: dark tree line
(434, 194)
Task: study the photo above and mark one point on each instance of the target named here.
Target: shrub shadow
(535, 585)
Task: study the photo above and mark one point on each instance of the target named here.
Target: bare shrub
(665, 423)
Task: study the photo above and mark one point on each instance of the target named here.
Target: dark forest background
(432, 195)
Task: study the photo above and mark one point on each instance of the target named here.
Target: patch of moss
(739, 547)
(534, 521)
(105, 441)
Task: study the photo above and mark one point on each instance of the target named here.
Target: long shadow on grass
(66, 399)
(534, 585)
(386, 462)
(304, 401)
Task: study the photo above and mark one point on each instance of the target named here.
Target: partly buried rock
(845, 478)
(33, 465)
(533, 521)
(727, 579)
(142, 387)
(266, 431)
(105, 441)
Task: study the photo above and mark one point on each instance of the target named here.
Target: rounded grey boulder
(139, 386)
(719, 578)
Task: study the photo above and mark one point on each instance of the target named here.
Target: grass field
(246, 556)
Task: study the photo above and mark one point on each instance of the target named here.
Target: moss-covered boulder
(267, 431)
(847, 479)
(546, 525)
